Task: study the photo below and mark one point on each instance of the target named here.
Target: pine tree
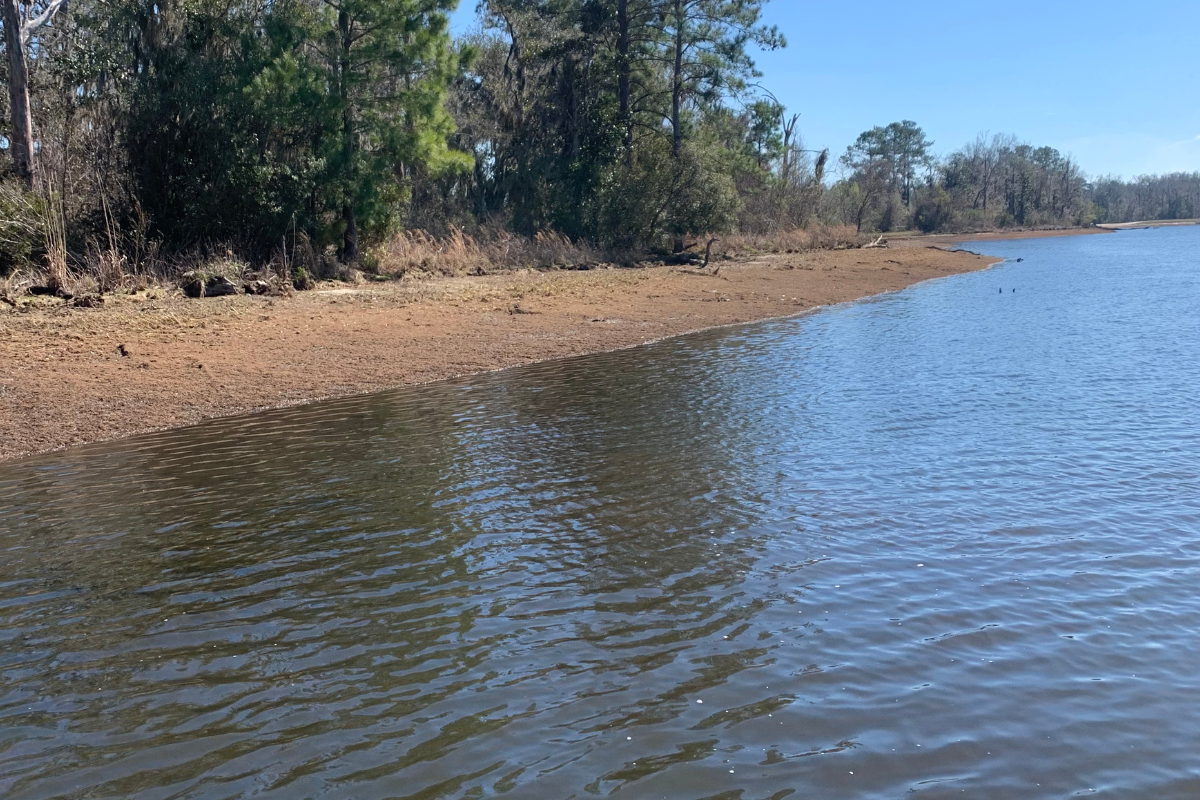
(388, 65)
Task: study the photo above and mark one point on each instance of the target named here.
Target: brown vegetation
(459, 254)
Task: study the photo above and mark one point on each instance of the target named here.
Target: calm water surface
(941, 544)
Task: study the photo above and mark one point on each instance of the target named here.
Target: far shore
(158, 360)
(1130, 226)
(918, 239)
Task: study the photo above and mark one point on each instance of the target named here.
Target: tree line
(894, 181)
(160, 127)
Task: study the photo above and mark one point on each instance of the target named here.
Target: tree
(388, 65)
(706, 45)
(865, 190)
(934, 209)
(902, 146)
(634, 48)
(21, 24)
(765, 134)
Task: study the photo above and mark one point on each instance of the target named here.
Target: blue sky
(1117, 85)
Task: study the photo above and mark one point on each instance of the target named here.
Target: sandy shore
(139, 363)
(948, 239)
(1132, 226)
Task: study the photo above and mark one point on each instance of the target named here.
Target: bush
(892, 217)
(659, 199)
(22, 228)
(934, 210)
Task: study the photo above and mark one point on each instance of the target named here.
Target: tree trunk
(789, 145)
(21, 143)
(350, 235)
(677, 83)
(677, 100)
(623, 73)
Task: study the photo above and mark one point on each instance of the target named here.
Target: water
(940, 544)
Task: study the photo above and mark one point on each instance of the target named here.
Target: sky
(1115, 84)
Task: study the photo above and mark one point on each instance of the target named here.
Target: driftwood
(700, 270)
(880, 244)
(708, 255)
(197, 284)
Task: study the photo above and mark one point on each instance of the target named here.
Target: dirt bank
(143, 362)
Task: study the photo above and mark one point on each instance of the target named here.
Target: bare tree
(20, 24)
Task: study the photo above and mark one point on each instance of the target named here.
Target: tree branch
(31, 27)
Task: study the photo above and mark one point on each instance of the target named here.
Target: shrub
(934, 210)
(22, 228)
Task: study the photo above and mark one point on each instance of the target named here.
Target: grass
(824, 237)
(461, 254)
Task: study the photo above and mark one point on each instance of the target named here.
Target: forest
(312, 136)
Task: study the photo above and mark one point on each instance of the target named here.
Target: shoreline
(991, 236)
(1147, 224)
(145, 362)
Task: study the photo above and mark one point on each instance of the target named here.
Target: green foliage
(765, 131)
(900, 147)
(660, 198)
(21, 227)
(933, 210)
(565, 110)
(194, 141)
(247, 121)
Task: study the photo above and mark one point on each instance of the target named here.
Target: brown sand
(140, 363)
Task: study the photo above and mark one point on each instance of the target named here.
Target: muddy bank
(144, 362)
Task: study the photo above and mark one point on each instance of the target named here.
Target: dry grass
(107, 269)
(55, 239)
(14, 287)
(461, 254)
(837, 237)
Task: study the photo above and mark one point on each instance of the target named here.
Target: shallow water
(943, 543)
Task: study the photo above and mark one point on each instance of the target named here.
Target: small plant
(108, 270)
(54, 234)
(108, 264)
(301, 280)
(213, 277)
(798, 240)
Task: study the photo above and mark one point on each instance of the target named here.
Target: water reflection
(936, 543)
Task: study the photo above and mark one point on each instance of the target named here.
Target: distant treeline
(162, 127)
(894, 181)
(1150, 197)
